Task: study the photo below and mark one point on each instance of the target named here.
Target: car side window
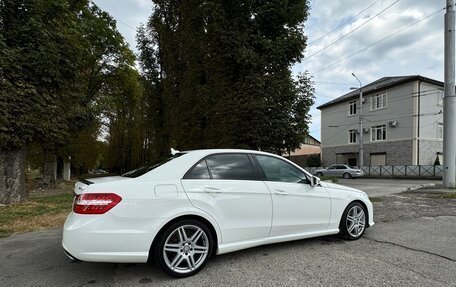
(230, 166)
(341, 167)
(331, 167)
(278, 170)
(199, 171)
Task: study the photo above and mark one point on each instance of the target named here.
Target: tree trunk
(49, 168)
(12, 176)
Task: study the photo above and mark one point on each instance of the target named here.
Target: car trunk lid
(82, 184)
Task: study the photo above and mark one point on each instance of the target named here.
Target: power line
(379, 41)
(352, 31)
(345, 23)
(331, 83)
(125, 24)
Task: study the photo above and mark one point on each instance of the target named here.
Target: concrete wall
(429, 111)
(397, 152)
(428, 120)
(429, 150)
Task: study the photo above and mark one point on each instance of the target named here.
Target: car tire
(319, 174)
(184, 248)
(347, 175)
(353, 222)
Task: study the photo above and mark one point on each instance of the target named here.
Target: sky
(372, 39)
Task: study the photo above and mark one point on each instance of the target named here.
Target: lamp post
(449, 100)
(361, 147)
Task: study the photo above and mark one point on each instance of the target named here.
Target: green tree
(313, 160)
(123, 96)
(223, 69)
(39, 64)
(55, 57)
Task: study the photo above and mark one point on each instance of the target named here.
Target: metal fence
(396, 170)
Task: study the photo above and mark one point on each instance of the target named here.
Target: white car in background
(339, 170)
(206, 202)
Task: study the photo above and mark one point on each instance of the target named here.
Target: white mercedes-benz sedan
(206, 202)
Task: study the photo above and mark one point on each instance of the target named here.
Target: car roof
(180, 165)
(204, 152)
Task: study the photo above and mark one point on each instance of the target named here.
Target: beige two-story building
(402, 123)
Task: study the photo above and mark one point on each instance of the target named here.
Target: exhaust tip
(68, 254)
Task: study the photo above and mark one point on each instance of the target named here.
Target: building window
(378, 133)
(440, 131)
(352, 136)
(352, 108)
(378, 101)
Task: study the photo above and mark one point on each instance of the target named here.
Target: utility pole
(361, 134)
(449, 100)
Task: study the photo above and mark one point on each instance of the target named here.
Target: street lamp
(361, 148)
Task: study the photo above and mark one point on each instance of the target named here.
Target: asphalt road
(412, 244)
(382, 187)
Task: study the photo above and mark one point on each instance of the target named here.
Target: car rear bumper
(103, 238)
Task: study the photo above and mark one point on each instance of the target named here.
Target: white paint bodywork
(243, 214)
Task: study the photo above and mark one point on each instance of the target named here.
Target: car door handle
(209, 189)
(280, 192)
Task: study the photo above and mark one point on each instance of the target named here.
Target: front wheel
(347, 175)
(184, 248)
(353, 222)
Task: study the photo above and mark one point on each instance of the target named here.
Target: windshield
(145, 169)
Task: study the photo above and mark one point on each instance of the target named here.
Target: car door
(226, 187)
(298, 207)
(330, 171)
(340, 170)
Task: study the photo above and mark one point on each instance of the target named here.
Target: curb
(420, 186)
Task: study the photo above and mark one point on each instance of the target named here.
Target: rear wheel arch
(201, 219)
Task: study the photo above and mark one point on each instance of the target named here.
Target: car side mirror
(314, 181)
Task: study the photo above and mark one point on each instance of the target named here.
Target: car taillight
(95, 203)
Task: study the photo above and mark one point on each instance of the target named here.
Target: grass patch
(376, 199)
(39, 212)
(447, 195)
(334, 179)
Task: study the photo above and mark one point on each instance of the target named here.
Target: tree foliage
(39, 68)
(56, 58)
(313, 160)
(125, 120)
(221, 71)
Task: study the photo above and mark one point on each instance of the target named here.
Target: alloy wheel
(356, 221)
(185, 249)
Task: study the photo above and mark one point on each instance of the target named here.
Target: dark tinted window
(199, 171)
(230, 166)
(278, 170)
(341, 167)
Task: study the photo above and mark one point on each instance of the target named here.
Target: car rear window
(199, 171)
(145, 169)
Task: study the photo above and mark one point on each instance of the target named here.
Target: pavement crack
(410, 248)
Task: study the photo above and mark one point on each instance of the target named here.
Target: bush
(313, 160)
(437, 161)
